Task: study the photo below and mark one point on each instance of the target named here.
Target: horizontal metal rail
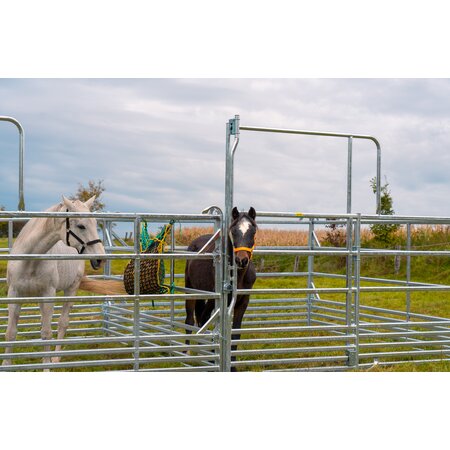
(302, 329)
(403, 353)
(287, 350)
(108, 362)
(69, 299)
(423, 288)
(104, 340)
(365, 218)
(117, 217)
(111, 351)
(392, 363)
(103, 256)
(283, 361)
(309, 133)
(289, 340)
(405, 344)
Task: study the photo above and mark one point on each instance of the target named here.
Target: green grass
(428, 303)
(425, 269)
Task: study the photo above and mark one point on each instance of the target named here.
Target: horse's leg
(63, 323)
(199, 311)
(190, 308)
(46, 330)
(13, 319)
(239, 310)
(206, 312)
(71, 272)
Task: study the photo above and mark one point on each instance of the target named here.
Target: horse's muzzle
(96, 263)
(242, 262)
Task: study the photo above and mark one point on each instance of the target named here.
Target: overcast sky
(159, 144)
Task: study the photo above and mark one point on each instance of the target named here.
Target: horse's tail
(102, 287)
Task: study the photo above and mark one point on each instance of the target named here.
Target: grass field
(424, 269)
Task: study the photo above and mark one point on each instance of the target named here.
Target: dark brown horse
(199, 274)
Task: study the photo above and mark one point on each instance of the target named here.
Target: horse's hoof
(56, 359)
(6, 362)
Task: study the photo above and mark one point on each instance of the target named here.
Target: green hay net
(152, 270)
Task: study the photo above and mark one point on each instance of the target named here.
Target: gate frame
(353, 251)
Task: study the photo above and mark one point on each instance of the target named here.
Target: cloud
(159, 144)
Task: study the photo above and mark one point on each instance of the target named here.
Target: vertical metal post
(228, 201)
(357, 266)
(349, 231)
(21, 205)
(225, 358)
(232, 129)
(351, 353)
(310, 269)
(408, 270)
(106, 274)
(221, 303)
(349, 175)
(137, 278)
(107, 239)
(10, 234)
(172, 276)
(378, 177)
(105, 312)
(349, 272)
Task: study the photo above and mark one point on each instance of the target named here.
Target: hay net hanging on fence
(152, 270)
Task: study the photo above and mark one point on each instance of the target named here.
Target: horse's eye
(81, 227)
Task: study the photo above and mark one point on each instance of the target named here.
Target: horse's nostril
(241, 262)
(96, 263)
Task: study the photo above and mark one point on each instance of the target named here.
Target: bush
(384, 234)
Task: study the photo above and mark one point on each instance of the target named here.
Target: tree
(85, 193)
(384, 233)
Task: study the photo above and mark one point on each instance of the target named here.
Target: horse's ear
(252, 212)
(68, 203)
(235, 213)
(90, 202)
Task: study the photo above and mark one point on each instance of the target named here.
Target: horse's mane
(55, 208)
(47, 224)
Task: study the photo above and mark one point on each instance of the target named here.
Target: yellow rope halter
(247, 249)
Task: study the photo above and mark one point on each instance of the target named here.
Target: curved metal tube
(21, 205)
(349, 136)
(311, 133)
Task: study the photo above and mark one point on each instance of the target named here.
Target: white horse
(43, 278)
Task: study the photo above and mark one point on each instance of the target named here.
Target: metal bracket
(234, 126)
(217, 256)
(351, 355)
